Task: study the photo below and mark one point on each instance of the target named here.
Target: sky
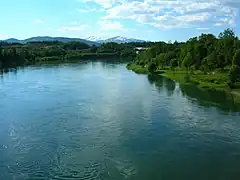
(154, 20)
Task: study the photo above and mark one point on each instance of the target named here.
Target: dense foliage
(12, 55)
(206, 53)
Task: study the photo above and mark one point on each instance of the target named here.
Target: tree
(234, 76)
(169, 56)
(211, 61)
(94, 49)
(152, 67)
(127, 52)
(227, 33)
(173, 63)
(220, 61)
(160, 60)
(236, 58)
(1, 57)
(187, 61)
(226, 45)
(75, 45)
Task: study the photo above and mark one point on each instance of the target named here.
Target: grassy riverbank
(212, 80)
(137, 69)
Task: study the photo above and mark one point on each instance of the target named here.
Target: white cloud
(106, 25)
(173, 13)
(202, 29)
(73, 28)
(88, 10)
(103, 3)
(39, 21)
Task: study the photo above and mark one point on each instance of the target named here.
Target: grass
(236, 93)
(137, 69)
(214, 80)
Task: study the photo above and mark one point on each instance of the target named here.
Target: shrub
(152, 67)
(187, 78)
(234, 76)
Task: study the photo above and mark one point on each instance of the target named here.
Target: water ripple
(99, 121)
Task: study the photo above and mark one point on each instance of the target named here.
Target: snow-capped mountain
(117, 39)
(96, 39)
(120, 39)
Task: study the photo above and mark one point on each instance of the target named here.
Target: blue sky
(143, 19)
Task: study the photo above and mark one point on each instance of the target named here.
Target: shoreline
(216, 81)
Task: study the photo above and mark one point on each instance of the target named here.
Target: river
(98, 120)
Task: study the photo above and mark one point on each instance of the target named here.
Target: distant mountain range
(96, 39)
(48, 38)
(90, 40)
(117, 39)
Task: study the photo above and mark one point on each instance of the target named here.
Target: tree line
(15, 54)
(206, 53)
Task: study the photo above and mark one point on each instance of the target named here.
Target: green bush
(152, 67)
(234, 76)
(187, 78)
(236, 58)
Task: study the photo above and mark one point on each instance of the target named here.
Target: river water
(98, 120)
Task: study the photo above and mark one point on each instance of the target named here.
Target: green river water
(98, 120)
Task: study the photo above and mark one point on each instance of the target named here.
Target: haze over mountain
(13, 40)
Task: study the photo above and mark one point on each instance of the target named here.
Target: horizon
(105, 38)
(63, 37)
(149, 20)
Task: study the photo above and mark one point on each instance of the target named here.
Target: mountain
(90, 40)
(47, 38)
(119, 39)
(12, 40)
(61, 39)
(95, 38)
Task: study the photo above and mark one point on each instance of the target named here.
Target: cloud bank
(173, 13)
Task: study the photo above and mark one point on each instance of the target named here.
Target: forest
(14, 55)
(203, 55)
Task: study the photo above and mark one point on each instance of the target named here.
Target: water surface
(100, 121)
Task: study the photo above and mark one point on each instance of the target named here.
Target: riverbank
(213, 80)
(74, 57)
(137, 69)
